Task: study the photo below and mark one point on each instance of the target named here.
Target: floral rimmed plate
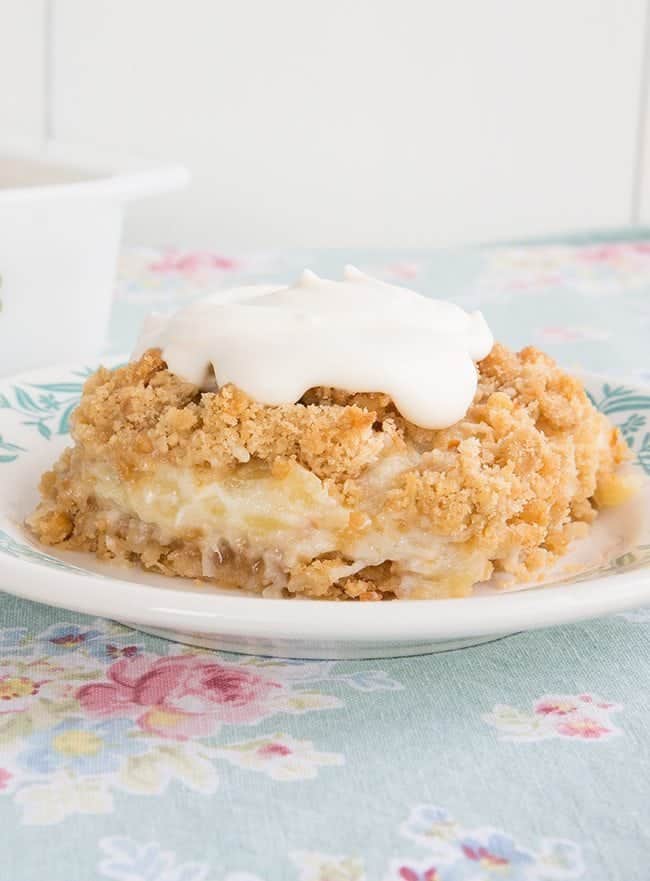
(608, 572)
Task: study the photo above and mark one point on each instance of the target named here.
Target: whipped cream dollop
(359, 335)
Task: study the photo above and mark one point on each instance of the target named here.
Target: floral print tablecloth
(128, 758)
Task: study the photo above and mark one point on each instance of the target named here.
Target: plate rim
(258, 617)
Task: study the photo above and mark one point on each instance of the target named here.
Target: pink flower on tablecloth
(188, 262)
(181, 696)
(585, 717)
(279, 756)
(5, 777)
(612, 252)
(270, 750)
(600, 253)
(568, 705)
(583, 728)
(555, 707)
(410, 873)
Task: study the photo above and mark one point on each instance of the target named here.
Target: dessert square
(337, 495)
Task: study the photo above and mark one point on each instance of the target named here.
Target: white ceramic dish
(609, 572)
(61, 215)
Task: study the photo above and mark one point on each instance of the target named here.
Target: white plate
(612, 566)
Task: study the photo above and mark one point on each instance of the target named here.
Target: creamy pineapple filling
(284, 517)
(292, 513)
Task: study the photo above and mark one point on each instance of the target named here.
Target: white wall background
(348, 122)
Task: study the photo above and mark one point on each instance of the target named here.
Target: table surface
(129, 758)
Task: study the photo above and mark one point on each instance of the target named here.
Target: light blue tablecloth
(128, 758)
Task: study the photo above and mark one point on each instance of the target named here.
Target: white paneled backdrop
(348, 122)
